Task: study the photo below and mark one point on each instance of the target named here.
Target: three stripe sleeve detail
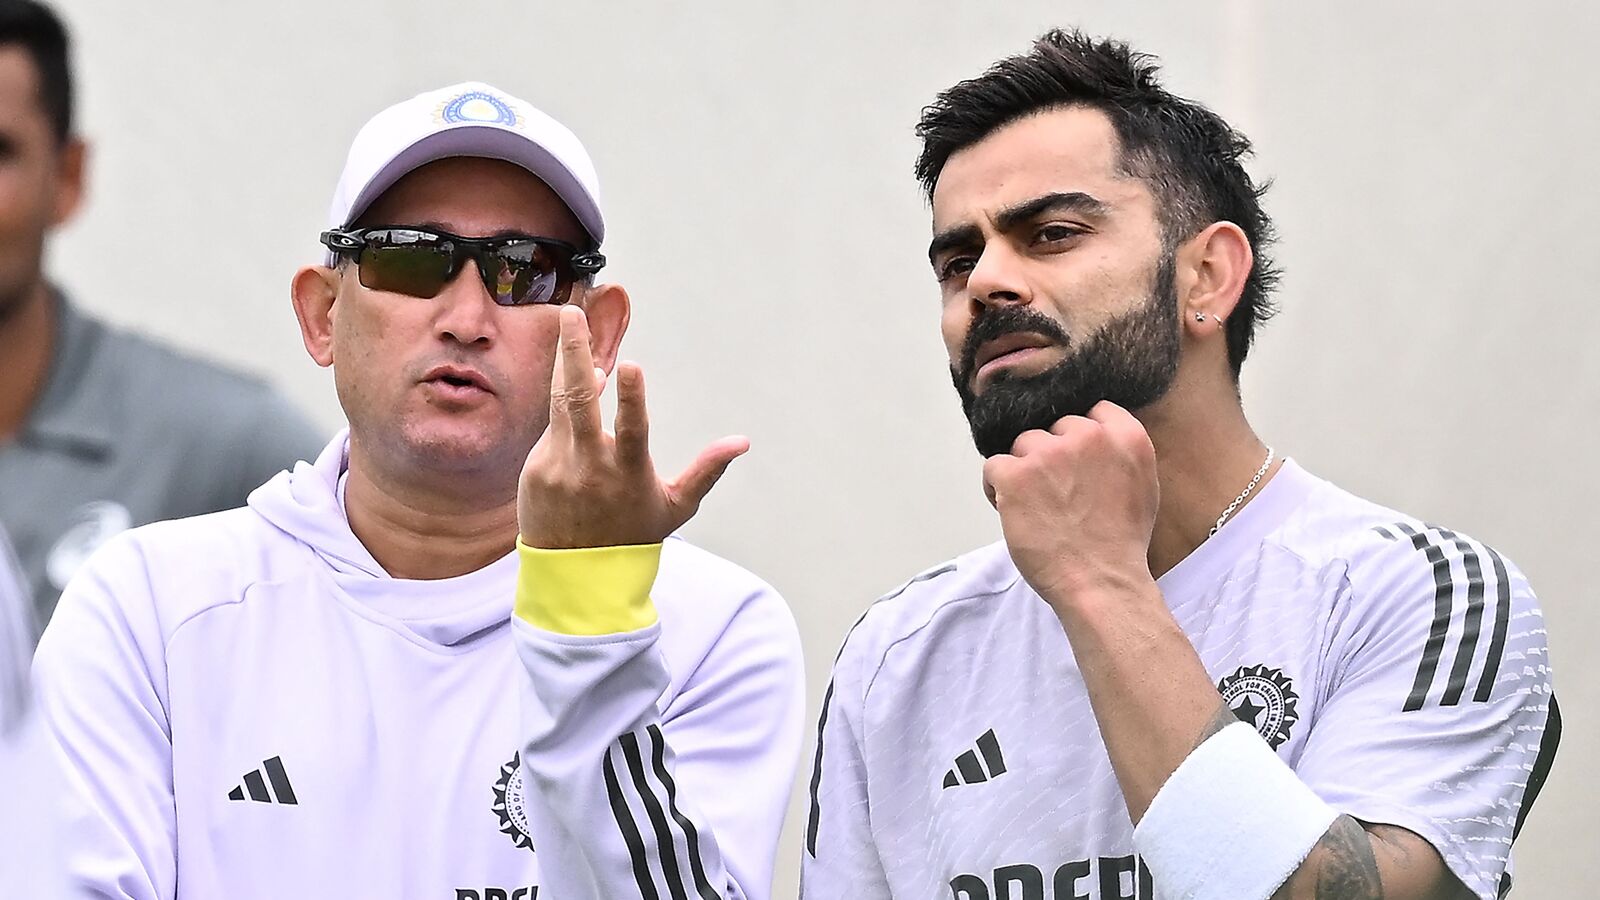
(691, 837)
(630, 833)
(1432, 542)
(657, 794)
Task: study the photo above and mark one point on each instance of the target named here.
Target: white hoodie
(249, 706)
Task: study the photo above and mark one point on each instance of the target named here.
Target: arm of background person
(32, 832)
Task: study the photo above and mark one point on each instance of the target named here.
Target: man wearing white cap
(331, 693)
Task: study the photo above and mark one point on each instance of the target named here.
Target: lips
(460, 377)
(989, 351)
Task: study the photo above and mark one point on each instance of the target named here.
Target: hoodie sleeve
(635, 797)
(100, 673)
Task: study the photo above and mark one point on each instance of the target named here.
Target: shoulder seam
(932, 613)
(929, 575)
(166, 643)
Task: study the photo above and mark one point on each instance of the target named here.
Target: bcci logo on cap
(479, 108)
(1264, 699)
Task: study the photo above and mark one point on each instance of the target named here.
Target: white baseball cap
(469, 119)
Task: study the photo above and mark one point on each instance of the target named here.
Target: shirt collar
(1274, 502)
(75, 411)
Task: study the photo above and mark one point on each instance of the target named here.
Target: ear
(313, 291)
(608, 310)
(71, 161)
(1213, 265)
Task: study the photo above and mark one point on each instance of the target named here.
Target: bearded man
(1191, 669)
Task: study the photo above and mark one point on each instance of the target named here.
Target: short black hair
(37, 28)
(1190, 158)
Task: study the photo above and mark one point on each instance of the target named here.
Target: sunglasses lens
(527, 273)
(407, 262)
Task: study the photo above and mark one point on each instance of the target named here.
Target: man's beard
(1130, 361)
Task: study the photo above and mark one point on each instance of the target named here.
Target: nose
(997, 279)
(465, 311)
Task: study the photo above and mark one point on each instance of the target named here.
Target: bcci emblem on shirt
(1264, 699)
(513, 815)
(508, 803)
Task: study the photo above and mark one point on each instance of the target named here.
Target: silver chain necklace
(1260, 474)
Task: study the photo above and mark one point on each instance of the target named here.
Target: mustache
(996, 323)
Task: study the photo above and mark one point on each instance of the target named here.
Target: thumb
(689, 488)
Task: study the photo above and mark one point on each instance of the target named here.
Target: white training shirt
(1399, 668)
(250, 707)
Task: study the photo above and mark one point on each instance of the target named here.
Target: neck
(426, 528)
(1206, 453)
(27, 340)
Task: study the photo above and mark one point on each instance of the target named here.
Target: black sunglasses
(517, 270)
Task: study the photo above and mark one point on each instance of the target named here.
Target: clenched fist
(584, 487)
(1078, 503)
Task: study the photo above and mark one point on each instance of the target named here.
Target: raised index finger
(575, 392)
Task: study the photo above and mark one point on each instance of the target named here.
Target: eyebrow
(1012, 216)
(953, 238)
(1070, 201)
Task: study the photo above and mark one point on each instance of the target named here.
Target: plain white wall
(1435, 190)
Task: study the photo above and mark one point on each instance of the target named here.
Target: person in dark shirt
(100, 430)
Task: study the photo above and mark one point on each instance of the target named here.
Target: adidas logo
(968, 769)
(257, 787)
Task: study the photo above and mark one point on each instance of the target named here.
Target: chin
(461, 446)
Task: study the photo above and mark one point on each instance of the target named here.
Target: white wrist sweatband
(1232, 823)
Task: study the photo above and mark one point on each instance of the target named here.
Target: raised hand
(585, 487)
(1078, 503)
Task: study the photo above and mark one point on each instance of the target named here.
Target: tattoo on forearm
(1221, 719)
(1348, 869)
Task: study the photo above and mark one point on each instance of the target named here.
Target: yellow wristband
(587, 591)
